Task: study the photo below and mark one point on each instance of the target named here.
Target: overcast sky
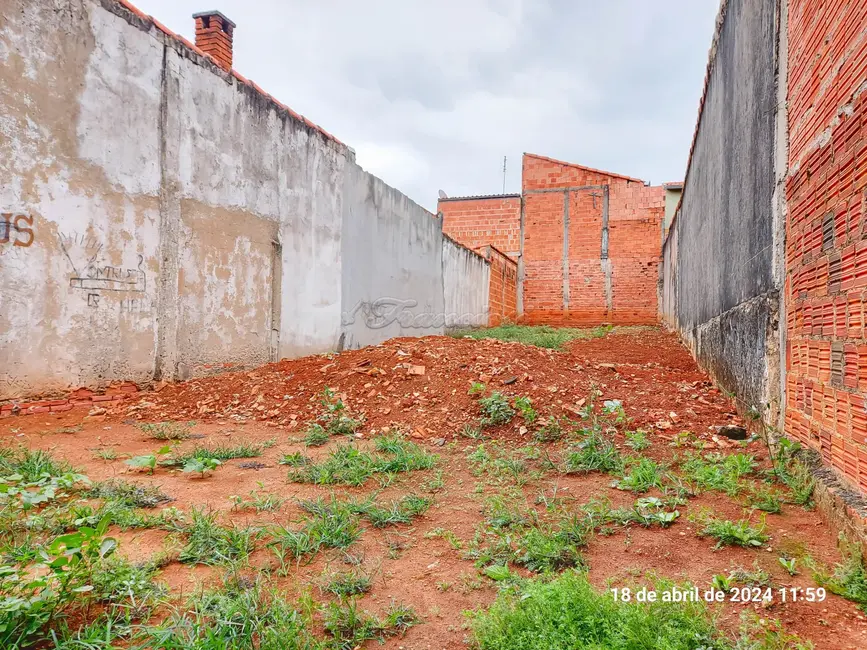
(432, 94)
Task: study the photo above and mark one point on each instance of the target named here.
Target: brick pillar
(214, 34)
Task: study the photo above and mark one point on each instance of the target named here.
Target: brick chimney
(214, 36)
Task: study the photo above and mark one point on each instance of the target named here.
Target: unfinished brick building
(587, 242)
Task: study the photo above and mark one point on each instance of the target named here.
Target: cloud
(432, 95)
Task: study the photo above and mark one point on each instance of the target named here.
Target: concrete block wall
(479, 221)
(826, 244)
(591, 245)
(163, 217)
(503, 289)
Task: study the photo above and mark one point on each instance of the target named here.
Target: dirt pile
(423, 384)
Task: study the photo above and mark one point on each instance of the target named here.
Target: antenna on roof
(504, 174)
(443, 195)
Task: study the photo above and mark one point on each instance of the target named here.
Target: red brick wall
(478, 222)
(635, 216)
(503, 291)
(826, 232)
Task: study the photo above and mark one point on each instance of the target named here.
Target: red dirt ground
(649, 371)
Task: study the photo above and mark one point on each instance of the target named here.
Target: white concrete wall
(168, 220)
(466, 286)
(392, 258)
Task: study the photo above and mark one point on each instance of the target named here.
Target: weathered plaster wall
(466, 280)
(78, 289)
(392, 264)
(167, 218)
(727, 288)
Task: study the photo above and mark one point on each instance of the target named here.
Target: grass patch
(221, 453)
(348, 465)
(568, 612)
(167, 430)
(642, 475)
(395, 512)
(238, 615)
(715, 471)
(32, 465)
(210, 543)
(541, 336)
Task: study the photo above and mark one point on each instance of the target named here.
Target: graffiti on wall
(96, 278)
(16, 229)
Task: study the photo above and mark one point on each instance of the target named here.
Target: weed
(849, 578)
(731, 533)
(596, 453)
(397, 512)
(134, 495)
(294, 460)
(498, 572)
(167, 430)
(435, 483)
(148, 461)
(637, 440)
(495, 410)
(762, 634)
(477, 388)
(406, 456)
(348, 584)
(345, 465)
(349, 625)
(543, 550)
(551, 431)
(109, 454)
(337, 422)
(334, 524)
(258, 501)
(525, 408)
(613, 411)
(32, 465)
(755, 577)
(643, 474)
(766, 499)
(315, 435)
(800, 481)
(789, 564)
(472, 432)
(201, 465)
(448, 535)
(398, 619)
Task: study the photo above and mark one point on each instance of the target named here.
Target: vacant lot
(425, 493)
